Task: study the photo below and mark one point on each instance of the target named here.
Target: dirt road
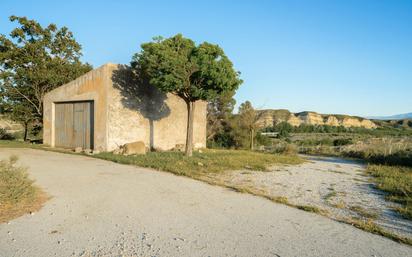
(339, 186)
(100, 208)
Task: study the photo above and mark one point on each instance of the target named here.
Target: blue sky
(352, 57)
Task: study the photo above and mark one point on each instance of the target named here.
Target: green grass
(330, 195)
(207, 161)
(364, 212)
(18, 195)
(16, 144)
(397, 182)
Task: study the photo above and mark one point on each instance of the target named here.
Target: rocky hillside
(9, 125)
(272, 117)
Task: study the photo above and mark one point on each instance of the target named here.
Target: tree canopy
(192, 72)
(33, 61)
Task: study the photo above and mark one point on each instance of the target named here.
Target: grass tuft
(370, 226)
(18, 195)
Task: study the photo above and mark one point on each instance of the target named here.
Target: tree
(249, 120)
(20, 113)
(219, 112)
(284, 128)
(193, 72)
(33, 61)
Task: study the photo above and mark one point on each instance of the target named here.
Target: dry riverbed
(337, 187)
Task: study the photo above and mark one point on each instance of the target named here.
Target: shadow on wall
(139, 95)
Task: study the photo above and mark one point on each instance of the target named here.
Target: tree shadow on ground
(139, 95)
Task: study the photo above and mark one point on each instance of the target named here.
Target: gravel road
(339, 186)
(99, 208)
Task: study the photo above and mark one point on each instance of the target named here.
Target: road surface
(100, 208)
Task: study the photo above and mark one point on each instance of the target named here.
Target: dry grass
(397, 182)
(370, 226)
(363, 212)
(18, 195)
(205, 162)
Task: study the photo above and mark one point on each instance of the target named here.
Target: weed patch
(18, 195)
(397, 182)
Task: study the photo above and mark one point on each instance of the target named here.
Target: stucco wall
(138, 112)
(91, 86)
(126, 111)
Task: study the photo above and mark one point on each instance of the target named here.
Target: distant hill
(392, 117)
(272, 117)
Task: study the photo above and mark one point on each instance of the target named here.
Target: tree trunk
(189, 135)
(251, 139)
(26, 128)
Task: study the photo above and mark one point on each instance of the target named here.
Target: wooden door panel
(73, 125)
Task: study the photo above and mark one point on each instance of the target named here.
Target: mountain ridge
(392, 117)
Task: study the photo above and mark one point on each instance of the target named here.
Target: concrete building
(109, 106)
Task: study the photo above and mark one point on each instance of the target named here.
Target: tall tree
(219, 112)
(192, 72)
(249, 120)
(33, 61)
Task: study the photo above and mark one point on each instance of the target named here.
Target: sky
(345, 57)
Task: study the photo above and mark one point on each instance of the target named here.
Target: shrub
(263, 140)
(4, 135)
(342, 141)
(18, 195)
(284, 148)
(14, 182)
(221, 140)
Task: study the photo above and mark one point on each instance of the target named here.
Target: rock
(294, 121)
(118, 150)
(269, 118)
(200, 164)
(78, 150)
(88, 151)
(179, 147)
(332, 121)
(311, 118)
(134, 148)
(96, 151)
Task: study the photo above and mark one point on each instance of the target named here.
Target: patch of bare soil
(338, 186)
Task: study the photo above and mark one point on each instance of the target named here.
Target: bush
(342, 141)
(221, 140)
(388, 150)
(263, 140)
(4, 135)
(18, 195)
(14, 182)
(285, 148)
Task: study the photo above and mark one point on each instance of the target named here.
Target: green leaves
(33, 61)
(192, 72)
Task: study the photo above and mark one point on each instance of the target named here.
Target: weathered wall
(138, 112)
(90, 86)
(126, 111)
